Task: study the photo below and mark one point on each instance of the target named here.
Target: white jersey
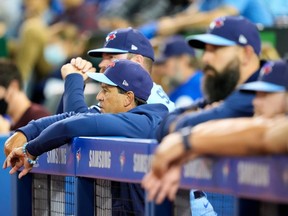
(159, 96)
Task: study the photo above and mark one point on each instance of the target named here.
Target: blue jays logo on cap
(110, 36)
(229, 31)
(266, 69)
(126, 40)
(217, 23)
(273, 78)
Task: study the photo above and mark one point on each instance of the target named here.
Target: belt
(198, 194)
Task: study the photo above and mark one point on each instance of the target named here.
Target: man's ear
(247, 54)
(129, 99)
(139, 59)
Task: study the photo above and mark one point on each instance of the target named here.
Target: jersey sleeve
(73, 97)
(35, 127)
(61, 132)
(158, 95)
(239, 104)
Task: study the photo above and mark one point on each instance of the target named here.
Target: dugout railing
(76, 179)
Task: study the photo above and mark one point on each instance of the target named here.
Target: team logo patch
(122, 159)
(266, 69)
(78, 156)
(110, 36)
(217, 23)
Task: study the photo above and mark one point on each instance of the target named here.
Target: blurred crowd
(42, 35)
(38, 37)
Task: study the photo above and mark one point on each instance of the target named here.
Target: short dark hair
(137, 101)
(8, 73)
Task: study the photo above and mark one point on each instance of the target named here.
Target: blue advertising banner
(264, 178)
(60, 161)
(208, 172)
(121, 159)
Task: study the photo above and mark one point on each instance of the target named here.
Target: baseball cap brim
(100, 77)
(100, 51)
(199, 41)
(262, 87)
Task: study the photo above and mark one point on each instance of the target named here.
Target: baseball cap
(127, 75)
(273, 78)
(228, 31)
(125, 40)
(175, 46)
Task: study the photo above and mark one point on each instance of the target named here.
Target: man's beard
(218, 85)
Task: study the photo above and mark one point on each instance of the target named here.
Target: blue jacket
(237, 104)
(51, 132)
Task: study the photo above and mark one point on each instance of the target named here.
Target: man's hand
(166, 26)
(16, 159)
(159, 188)
(168, 151)
(18, 139)
(77, 65)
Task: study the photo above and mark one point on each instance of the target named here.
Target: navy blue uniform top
(73, 99)
(237, 104)
(51, 132)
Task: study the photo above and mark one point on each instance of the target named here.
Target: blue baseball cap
(127, 75)
(126, 40)
(229, 31)
(174, 46)
(273, 78)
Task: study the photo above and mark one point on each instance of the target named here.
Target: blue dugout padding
(5, 183)
(121, 159)
(60, 161)
(261, 178)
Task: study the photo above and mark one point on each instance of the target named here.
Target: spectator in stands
(66, 42)
(10, 15)
(201, 13)
(29, 48)
(126, 87)
(81, 13)
(125, 13)
(279, 10)
(265, 133)
(182, 75)
(16, 110)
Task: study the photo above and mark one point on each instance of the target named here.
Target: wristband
(30, 161)
(186, 133)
